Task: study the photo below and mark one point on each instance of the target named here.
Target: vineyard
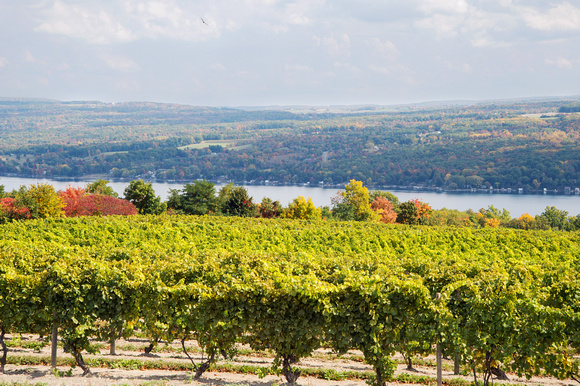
(495, 300)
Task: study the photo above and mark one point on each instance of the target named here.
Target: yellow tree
(300, 208)
(48, 202)
(356, 195)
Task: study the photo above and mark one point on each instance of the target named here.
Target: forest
(530, 145)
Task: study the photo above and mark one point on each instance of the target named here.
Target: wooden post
(456, 365)
(439, 355)
(54, 344)
(439, 366)
(112, 347)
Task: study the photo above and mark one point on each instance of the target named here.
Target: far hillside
(530, 145)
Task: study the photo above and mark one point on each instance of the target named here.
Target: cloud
(297, 13)
(384, 47)
(379, 69)
(119, 63)
(122, 22)
(453, 6)
(29, 58)
(106, 22)
(94, 25)
(333, 45)
(562, 17)
(348, 66)
(252, 50)
(461, 67)
(444, 26)
(481, 25)
(562, 63)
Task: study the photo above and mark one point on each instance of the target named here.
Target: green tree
(343, 212)
(142, 195)
(556, 218)
(408, 213)
(100, 187)
(224, 194)
(199, 198)
(300, 208)
(23, 199)
(174, 201)
(238, 203)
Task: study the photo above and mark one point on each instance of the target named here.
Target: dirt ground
(43, 375)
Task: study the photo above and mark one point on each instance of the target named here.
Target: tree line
(355, 203)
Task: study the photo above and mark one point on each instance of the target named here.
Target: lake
(516, 204)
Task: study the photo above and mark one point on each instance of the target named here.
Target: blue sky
(306, 52)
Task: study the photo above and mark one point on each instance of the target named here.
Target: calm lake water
(516, 204)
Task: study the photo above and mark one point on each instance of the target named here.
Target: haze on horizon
(298, 52)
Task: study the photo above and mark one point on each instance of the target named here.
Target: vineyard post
(112, 347)
(456, 365)
(439, 354)
(54, 342)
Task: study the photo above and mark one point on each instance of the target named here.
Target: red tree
(385, 210)
(80, 204)
(11, 211)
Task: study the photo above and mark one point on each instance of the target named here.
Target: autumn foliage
(385, 210)
(9, 209)
(77, 203)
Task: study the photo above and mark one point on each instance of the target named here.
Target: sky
(301, 52)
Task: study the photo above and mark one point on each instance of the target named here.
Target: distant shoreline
(340, 186)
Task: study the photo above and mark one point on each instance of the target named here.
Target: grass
(206, 144)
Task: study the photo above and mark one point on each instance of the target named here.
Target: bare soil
(134, 350)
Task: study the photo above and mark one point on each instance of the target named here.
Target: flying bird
(203, 21)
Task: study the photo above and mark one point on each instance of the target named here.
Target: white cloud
(119, 63)
(384, 47)
(347, 66)
(461, 67)
(562, 63)
(454, 6)
(459, 20)
(444, 26)
(297, 13)
(380, 69)
(335, 46)
(125, 22)
(562, 17)
(94, 25)
(106, 22)
(29, 58)
(314, 45)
